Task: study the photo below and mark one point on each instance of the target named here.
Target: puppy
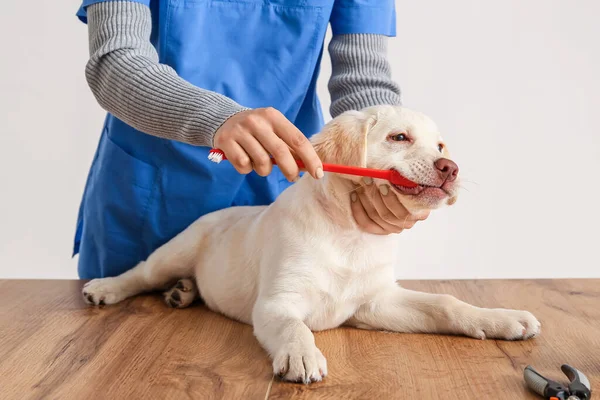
(302, 265)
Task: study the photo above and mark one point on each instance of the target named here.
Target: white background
(513, 85)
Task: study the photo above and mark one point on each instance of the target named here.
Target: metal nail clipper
(579, 387)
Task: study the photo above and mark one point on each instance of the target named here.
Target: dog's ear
(344, 139)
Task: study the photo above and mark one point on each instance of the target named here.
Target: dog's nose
(447, 169)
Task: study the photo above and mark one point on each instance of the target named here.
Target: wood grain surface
(53, 346)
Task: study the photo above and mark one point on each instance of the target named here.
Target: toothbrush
(393, 176)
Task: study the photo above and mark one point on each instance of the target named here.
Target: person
(178, 77)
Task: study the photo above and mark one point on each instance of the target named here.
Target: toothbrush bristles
(215, 157)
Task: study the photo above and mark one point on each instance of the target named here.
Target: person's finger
(298, 142)
(392, 203)
(280, 152)
(387, 208)
(373, 213)
(261, 162)
(392, 223)
(237, 157)
(361, 217)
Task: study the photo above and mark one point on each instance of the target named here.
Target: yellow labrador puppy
(301, 265)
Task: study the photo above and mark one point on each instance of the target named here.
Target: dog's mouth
(433, 191)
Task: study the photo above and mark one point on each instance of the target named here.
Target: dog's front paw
(504, 324)
(300, 363)
(103, 291)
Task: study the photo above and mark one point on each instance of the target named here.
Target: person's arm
(128, 81)
(361, 73)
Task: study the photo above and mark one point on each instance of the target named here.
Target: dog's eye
(440, 147)
(400, 137)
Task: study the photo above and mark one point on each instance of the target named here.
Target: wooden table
(53, 346)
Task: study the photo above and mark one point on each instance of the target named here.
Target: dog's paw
(504, 324)
(182, 294)
(300, 363)
(103, 291)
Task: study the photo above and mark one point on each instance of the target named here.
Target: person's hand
(249, 137)
(378, 211)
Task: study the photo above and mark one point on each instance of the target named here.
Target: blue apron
(142, 190)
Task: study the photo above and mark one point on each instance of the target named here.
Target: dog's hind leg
(402, 310)
(182, 294)
(170, 262)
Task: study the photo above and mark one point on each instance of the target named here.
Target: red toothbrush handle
(389, 175)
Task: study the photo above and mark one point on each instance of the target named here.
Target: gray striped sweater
(128, 81)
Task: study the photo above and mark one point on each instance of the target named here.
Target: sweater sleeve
(361, 74)
(128, 81)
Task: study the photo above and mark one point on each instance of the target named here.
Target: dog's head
(394, 137)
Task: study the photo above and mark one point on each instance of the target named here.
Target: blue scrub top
(143, 190)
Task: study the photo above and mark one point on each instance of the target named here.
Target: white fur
(302, 265)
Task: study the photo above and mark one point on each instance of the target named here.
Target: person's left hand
(378, 211)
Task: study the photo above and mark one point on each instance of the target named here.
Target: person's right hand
(249, 137)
